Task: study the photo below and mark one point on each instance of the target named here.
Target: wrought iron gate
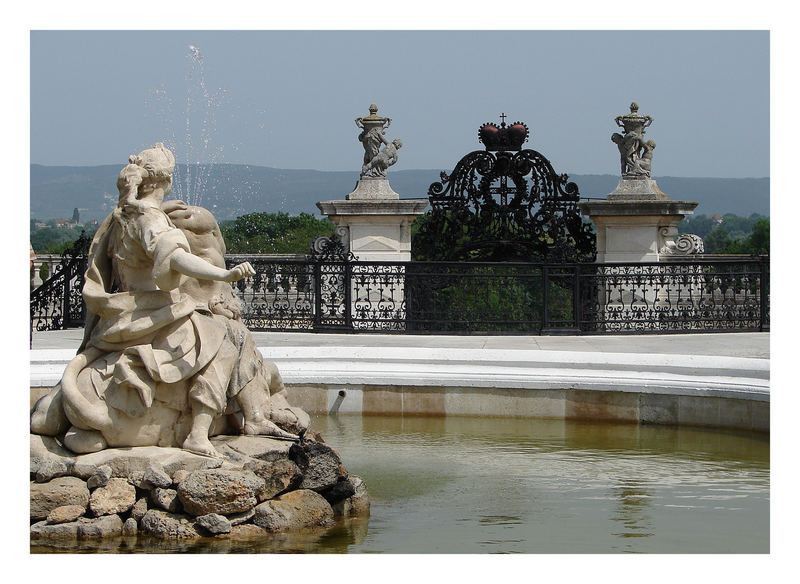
(504, 204)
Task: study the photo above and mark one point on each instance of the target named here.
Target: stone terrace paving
(749, 345)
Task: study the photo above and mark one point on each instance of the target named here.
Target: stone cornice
(373, 207)
(616, 208)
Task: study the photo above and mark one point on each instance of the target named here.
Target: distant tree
(734, 235)
(759, 238)
(55, 240)
(738, 228)
(756, 243)
(698, 224)
(273, 232)
(716, 240)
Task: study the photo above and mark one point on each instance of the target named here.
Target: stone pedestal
(631, 230)
(379, 229)
(637, 189)
(369, 188)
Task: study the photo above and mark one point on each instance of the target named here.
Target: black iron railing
(709, 295)
(328, 294)
(58, 302)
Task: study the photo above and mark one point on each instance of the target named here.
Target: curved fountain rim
(648, 373)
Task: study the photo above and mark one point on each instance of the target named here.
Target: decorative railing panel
(340, 295)
(519, 298)
(280, 296)
(692, 296)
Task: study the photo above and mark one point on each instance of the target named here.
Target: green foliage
(756, 243)
(735, 235)
(491, 298)
(55, 240)
(273, 233)
(717, 240)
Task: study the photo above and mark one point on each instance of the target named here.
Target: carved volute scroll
(332, 248)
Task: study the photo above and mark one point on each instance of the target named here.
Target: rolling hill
(231, 190)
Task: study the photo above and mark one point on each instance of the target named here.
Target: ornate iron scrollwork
(502, 205)
(58, 302)
(334, 248)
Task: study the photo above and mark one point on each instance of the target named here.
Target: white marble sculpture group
(165, 359)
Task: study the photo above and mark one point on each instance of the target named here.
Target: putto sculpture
(635, 158)
(373, 135)
(636, 154)
(165, 359)
(379, 155)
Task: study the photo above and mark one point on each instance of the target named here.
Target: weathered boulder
(279, 476)
(156, 477)
(50, 469)
(139, 509)
(320, 464)
(294, 510)
(246, 531)
(59, 492)
(214, 523)
(179, 476)
(44, 448)
(164, 524)
(220, 491)
(136, 478)
(166, 499)
(106, 526)
(117, 496)
(357, 503)
(65, 514)
(44, 529)
(100, 477)
(341, 490)
(130, 462)
(260, 447)
(130, 527)
(239, 518)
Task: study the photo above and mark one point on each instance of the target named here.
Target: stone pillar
(37, 280)
(636, 230)
(378, 221)
(378, 229)
(638, 222)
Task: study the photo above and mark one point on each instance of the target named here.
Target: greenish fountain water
(476, 485)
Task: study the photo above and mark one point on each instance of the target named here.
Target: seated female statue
(157, 365)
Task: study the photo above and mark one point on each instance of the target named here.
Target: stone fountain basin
(703, 390)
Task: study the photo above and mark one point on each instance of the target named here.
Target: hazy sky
(288, 98)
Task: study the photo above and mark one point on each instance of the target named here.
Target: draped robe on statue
(150, 352)
(158, 346)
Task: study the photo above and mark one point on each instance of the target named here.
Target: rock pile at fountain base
(259, 486)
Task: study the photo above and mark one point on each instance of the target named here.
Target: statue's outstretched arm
(191, 265)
